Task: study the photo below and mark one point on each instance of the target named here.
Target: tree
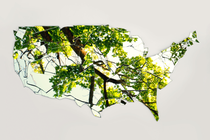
(87, 51)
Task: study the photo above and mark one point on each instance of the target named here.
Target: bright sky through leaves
(94, 65)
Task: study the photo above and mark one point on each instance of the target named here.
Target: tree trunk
(91, 91)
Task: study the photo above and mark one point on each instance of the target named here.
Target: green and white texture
(94, 65)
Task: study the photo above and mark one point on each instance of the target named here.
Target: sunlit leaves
(87, 50)
(40, 28)
(178, 50)
(15, 55)
(38, 66)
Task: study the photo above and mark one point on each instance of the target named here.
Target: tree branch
(81, 52)
(74, 43)
(91, 91)
(58, 57)
(154, 111)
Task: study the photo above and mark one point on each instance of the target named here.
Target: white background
(183, 105)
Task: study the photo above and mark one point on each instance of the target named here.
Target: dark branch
(154, 111)
(105, 94)
(58, 57)
(41, 66)
(91, 91)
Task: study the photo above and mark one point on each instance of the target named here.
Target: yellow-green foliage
(140, 77)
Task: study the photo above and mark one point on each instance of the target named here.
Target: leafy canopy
(94, 58)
